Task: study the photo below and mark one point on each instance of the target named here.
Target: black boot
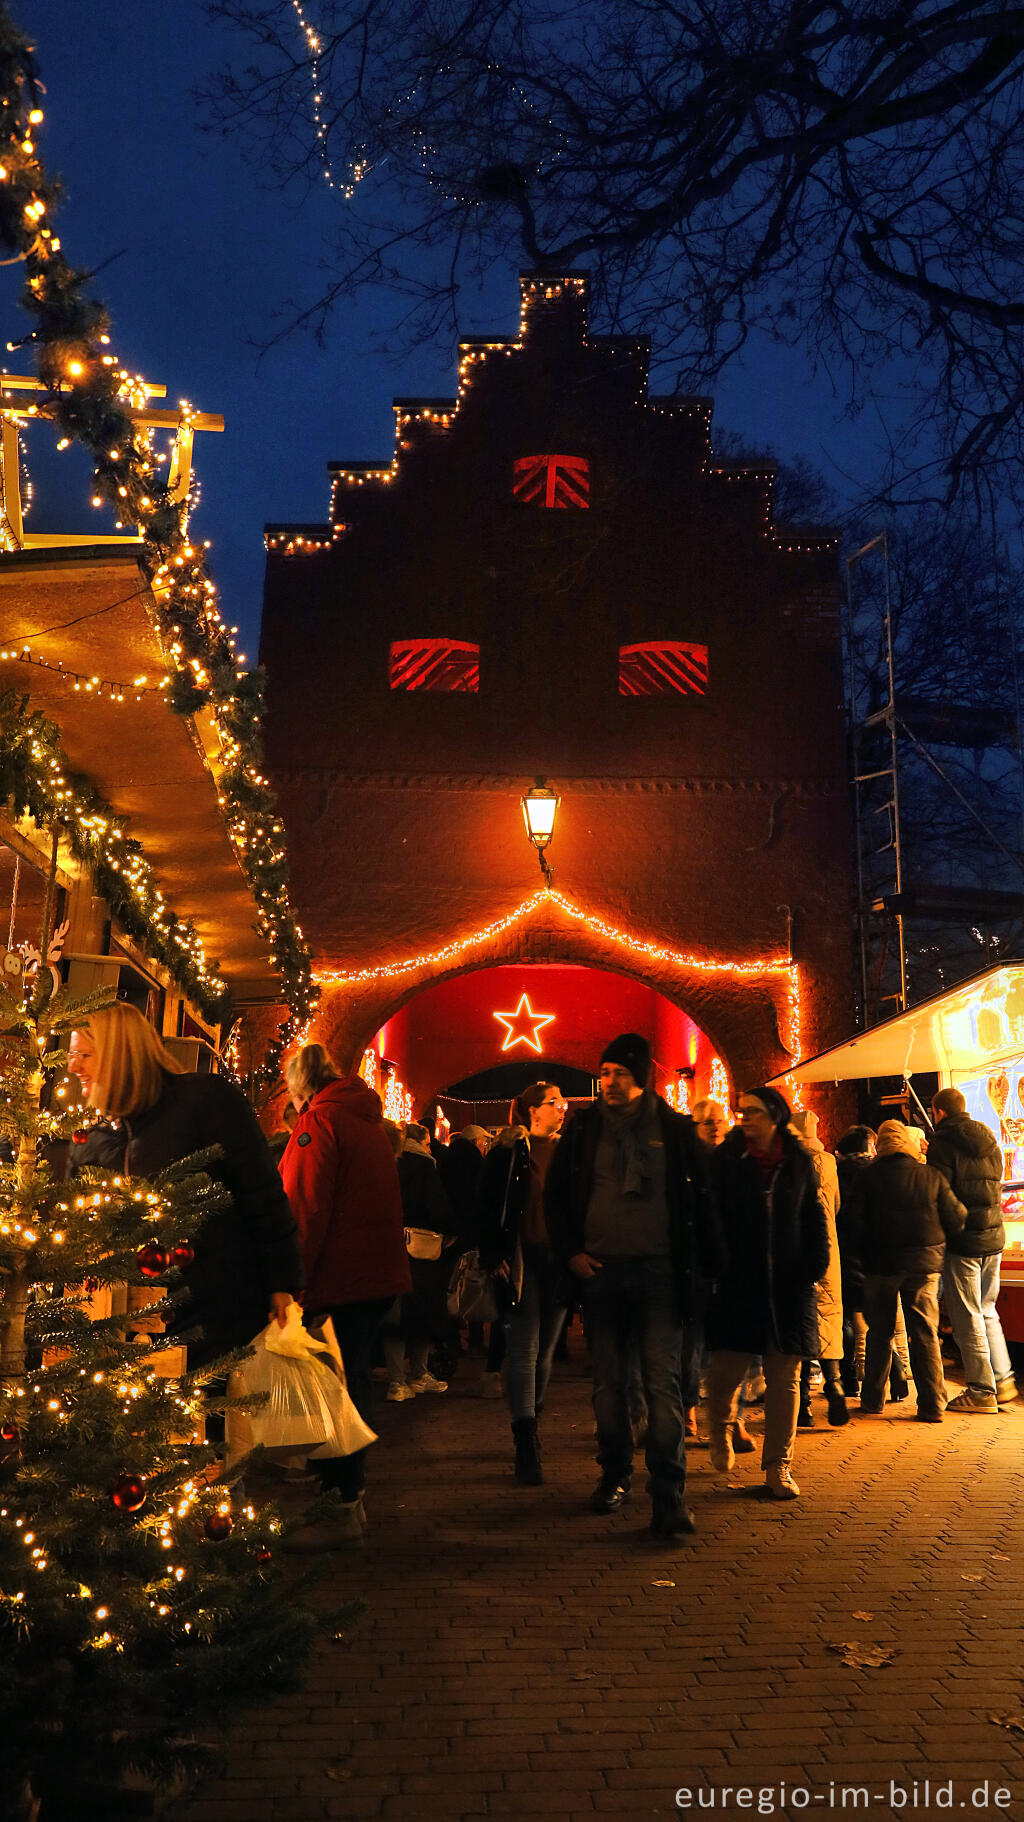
(669, 1517)
(805, 1416)
(837, 1411)
(529, 1472)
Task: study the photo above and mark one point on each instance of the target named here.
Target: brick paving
(518, 1657)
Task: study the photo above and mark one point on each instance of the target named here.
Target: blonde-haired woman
(246, 1262)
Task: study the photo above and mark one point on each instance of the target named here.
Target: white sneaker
(427, 1384)
(781, 1484)
(398, 1392)
(723, 1458)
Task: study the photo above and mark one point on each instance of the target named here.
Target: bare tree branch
(845, 177)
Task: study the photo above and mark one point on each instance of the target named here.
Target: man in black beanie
(628, 1209)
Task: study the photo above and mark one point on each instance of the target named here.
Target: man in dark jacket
(967, 1155)
(777, 1247)
(628, 1209)
(899, 1216)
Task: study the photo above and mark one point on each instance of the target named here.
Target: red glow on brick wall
(449, 1032)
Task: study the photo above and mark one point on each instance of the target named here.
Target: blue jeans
(534, 1326)
(633, 1313)
(970, 1288)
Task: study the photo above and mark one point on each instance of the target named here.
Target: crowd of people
(738, 1259)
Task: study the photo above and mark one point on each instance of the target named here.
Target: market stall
(972, 1037)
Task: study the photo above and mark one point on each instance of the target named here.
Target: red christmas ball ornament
(129, 1492)
(9, 1432)
(263, 1555)
(182, 1254)
(218, 1526)
(91, 1285)
(81, 1137)
(152, 1260)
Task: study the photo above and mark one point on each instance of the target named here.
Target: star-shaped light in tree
(524, 1026)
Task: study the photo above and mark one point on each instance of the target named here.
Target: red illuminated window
(435, 664)
(551, 480)
(663, 667)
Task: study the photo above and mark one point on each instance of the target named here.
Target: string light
(89, 685)
(358, 167)
(384, 1079)
(97, 835)
(781, 969)
(91, 397)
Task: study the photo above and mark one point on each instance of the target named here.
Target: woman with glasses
(514, 1243)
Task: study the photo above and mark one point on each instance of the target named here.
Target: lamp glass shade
(539, 806)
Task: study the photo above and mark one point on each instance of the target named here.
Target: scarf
(768, 1161)
(622, 1130)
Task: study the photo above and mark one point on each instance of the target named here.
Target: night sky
(197, 259)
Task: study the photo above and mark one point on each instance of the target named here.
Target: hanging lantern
(539, 806)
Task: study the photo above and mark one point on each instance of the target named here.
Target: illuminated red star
(524, 1026)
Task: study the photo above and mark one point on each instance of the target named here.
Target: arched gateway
(554, 576)
(454, 1012)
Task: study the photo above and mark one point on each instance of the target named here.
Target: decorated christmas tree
(137, 1602)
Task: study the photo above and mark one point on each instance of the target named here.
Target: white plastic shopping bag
(306, 1404)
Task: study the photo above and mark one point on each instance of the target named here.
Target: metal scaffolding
(892, 728)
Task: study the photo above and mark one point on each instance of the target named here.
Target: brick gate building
(554, 577)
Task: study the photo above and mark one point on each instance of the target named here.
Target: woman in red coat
(340, 1176)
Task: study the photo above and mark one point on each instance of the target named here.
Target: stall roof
(963, 1029)
(90, 610)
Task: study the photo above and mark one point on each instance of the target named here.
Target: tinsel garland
(88, 395)
(37, 780)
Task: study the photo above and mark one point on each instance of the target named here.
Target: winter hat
(474, 1134)
(894, 1136)
(633, 1052)
(774, 1104)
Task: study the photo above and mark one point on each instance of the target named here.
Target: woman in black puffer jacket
(899, 1215)
(247, 1266)
(777, 1246)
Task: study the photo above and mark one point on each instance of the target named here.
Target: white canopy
(958, 1032)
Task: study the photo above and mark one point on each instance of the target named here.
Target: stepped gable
(552, 389)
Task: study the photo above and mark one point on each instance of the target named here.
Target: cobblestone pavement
(519, 1657)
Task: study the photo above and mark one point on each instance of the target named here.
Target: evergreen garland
(36, 780)
(88, 395)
